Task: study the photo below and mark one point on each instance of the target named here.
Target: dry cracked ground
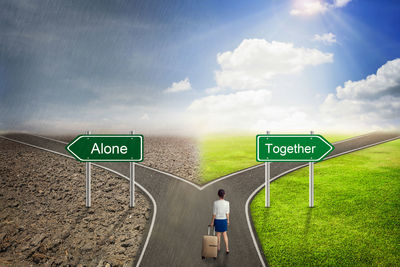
(44, 221)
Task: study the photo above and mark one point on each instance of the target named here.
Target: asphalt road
(184, 209)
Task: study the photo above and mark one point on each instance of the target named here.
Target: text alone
(104, 149)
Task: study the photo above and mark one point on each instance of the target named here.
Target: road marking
(173, 176)
(246, 210)
(231, 174)
(120, 174)
(45, 149)
(213, 181)
(222, 178)
(352, 138)
(48, 138)
(356, 149)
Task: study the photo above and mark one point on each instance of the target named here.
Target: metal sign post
(108, 148)
(291, 148)
(267, 182)
(131, 182)
(88, 182)
(311, 182)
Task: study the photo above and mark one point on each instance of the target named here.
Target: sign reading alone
(102, 147)
(292, 147)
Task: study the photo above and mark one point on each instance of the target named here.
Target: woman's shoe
(227, 252)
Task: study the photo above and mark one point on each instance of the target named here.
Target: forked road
(182, 210)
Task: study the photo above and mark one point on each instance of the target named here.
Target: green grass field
(356, 218)
(224, 154)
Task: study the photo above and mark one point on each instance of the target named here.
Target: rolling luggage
(210, 245)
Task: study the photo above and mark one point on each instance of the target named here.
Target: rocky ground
(173, 154)
(44, 221)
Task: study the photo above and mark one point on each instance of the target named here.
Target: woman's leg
(225, 234)
(219, 240)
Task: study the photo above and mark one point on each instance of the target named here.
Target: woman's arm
(212, 220)
(227, 211)
(214, 214)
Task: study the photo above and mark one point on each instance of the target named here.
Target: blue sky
(107, 65)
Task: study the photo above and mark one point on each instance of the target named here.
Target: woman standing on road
(220, 218)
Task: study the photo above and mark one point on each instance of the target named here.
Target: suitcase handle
(208, 230)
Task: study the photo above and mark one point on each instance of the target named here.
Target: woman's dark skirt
(221, 225)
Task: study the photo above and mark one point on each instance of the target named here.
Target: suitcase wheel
(203, 258)
(215, 258)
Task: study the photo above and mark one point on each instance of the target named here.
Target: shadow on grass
(307, 225)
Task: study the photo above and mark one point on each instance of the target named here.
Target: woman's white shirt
(221, 208)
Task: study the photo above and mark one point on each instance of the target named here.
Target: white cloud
(326, 38)
(384, 82)
(255, 61)
(251, 110)
(312, 7)
(180, 86)
(309, 8)
(214, 90)
(371, 102)
(341, 3)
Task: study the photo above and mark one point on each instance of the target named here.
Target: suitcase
(210, 245)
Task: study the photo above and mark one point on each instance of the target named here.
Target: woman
(220, 218)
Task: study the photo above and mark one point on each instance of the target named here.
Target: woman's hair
(221, 193)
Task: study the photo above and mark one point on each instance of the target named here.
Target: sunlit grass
(356, 218)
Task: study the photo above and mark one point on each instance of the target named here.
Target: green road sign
(292, 147)
(103, 147)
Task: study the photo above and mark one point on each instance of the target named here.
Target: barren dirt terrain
(44, 221)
